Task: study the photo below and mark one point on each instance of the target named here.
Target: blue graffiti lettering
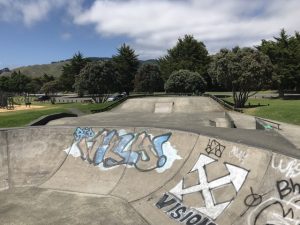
(111, 149)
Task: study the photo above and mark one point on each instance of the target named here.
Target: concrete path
(288, 131)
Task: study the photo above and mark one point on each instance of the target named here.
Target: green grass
(287, 111)
(230, 92)
(24, 117)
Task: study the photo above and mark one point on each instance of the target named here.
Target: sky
(42, 31)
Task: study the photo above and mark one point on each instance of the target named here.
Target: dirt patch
(21, 107)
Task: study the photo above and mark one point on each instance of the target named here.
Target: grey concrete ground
(36, 206)
(189, 114)
(46, 179)
(127, 172)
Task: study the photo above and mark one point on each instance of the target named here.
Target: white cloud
(66, 36)
(31, 12)
(155, 25)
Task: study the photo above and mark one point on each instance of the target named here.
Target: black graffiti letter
(177, 213)
(194, 219)
(283, 188)
(163, 203)
(295, 186)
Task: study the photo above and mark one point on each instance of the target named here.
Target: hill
(55, 68)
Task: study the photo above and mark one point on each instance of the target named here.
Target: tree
(244, 70)
(34, 86)
(127, 64)
(18, 82)
(71, 70)
(50, 87)
(4, 84)
(284, 52)
(295, 43)
(47, 78)
(185, 81)
(148, 79)
(97, 78)
(188, 54)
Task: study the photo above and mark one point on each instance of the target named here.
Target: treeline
(186, 68)
(20, 83)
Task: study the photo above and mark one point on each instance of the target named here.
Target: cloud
(155, 25)
(66, 36)
(31, 12)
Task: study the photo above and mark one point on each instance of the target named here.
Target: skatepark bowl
(100, 175)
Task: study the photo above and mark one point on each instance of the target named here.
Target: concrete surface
(168, 111)
(243, 121)
(195, 114)
(47, 207)
(116, 168)
(179, 105)
(291, 132)
(129, 175)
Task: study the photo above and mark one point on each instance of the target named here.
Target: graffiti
(252, 200)
(290, 169)
(111, 148)
(239, 154)
(81, 133)
(276, 211)
(285, 188)
(177, 211)
(236, 177)
(215, 148)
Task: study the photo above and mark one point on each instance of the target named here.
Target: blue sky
(41, 31)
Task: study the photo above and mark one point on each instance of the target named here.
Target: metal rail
(268, 121)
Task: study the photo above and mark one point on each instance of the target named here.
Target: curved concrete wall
(168, 176)
(34, 154)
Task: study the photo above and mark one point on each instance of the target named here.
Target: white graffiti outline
(237, 177)
(291, 169)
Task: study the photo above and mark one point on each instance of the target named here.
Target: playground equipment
(3, 100)
(6, 101)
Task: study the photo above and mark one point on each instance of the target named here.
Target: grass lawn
(22, 118)
(287, 111)
(230, 92)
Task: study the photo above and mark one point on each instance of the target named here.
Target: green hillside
(54, 69)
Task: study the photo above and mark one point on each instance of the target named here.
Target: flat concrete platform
(38, 206)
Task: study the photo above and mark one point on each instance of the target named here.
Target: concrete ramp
(163, 107)
(130, 175)
(177, 104)
(183, 112)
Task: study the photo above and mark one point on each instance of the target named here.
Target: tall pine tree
(127, 65)
(188, 54)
